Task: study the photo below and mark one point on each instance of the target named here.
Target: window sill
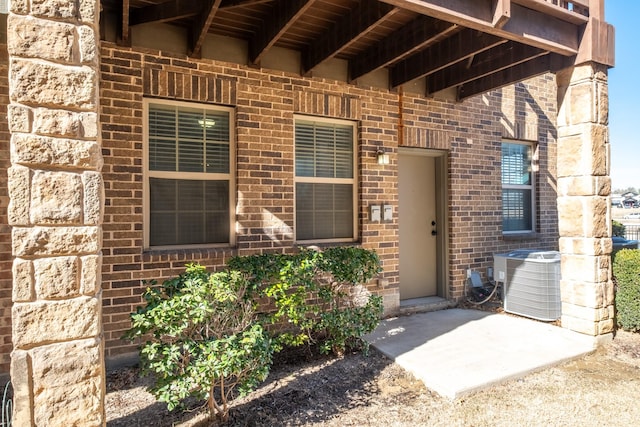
(187, 252)
(521, 236)
(325, 245)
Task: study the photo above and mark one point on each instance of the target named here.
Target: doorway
(422, 223)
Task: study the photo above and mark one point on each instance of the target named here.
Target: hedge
(626, 270)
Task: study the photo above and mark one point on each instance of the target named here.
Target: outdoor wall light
(383, 158)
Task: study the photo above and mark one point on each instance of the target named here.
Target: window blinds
(188, 140)
(189, 165)
(325, 184)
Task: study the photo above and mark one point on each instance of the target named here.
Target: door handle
(433, 231)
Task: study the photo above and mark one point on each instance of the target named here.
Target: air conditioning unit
(531, 283)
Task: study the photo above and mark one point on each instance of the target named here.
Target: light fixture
(383, 158)
(206, 123)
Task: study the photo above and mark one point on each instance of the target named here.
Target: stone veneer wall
(584, 188)
(6, 259)
(56, 208)
(265, 102)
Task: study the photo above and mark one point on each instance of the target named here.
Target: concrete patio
(457, 351)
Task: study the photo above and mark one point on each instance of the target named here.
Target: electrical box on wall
(375, 213)
(387, 212)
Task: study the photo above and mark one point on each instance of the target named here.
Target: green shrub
(316, 296)
(343, 328)
(626, 270)
(348, 310)
(202, 339)
(618, 229)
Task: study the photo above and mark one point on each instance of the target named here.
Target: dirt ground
(599, 389)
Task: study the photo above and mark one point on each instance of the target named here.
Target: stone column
(55, 210)
(584, 207)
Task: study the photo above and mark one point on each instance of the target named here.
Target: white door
(418, 226)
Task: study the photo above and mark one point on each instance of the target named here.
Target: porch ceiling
(471, 45)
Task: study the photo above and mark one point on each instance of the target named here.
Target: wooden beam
(559, 12)
(463, 12)
(418, 34)
(199, 31)
(596, 8)
(460, 46)
(352, 26)
(543, 31)
(548, 63)
(501, 13)
(233, 4)
(597, 43)
(124, 25)
(165, 12)
(525, 25)
(483, 64)
(283, 15)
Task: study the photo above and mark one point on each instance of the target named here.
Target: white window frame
(531, 186)
(322, 180)
(147, 174)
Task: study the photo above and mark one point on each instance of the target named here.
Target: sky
(624, 94)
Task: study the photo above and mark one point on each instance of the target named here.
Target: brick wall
(471, 132)
(265, 103)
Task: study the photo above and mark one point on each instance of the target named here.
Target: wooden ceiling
(472, 45)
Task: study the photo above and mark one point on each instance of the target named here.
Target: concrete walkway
(459, 351)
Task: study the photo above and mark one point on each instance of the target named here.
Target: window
(517, 187)
(188, 191)
(325, 180)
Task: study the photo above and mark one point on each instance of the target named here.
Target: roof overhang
(471, 45)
